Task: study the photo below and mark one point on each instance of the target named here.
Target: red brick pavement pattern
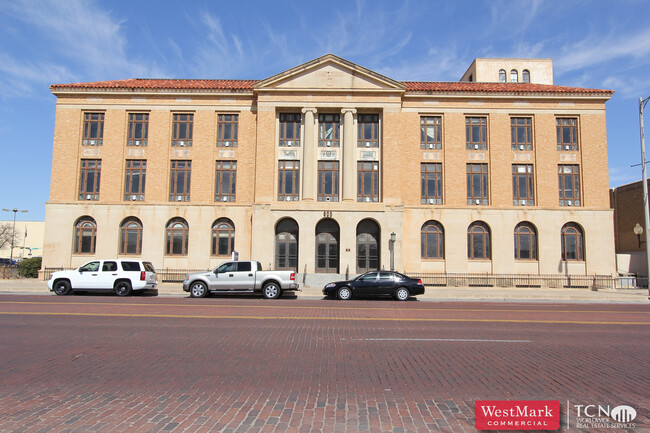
(156, 374)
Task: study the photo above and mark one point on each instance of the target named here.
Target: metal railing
(593, 282)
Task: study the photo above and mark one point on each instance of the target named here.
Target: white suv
(120, 276)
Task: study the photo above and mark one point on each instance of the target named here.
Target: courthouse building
(330, 167)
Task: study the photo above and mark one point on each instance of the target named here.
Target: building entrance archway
(368, 241)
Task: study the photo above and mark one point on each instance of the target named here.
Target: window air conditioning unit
(134, 197)
(367, 199)
(137, 143)
(432, 201)
(477, 201)
(289, 143)
(367, 144)
(179, 198)
(521, 147)
(288, 199)
(476, 146)
(89, 197)
(569, 202)
(328, 198)
(227, 143)
(567, 147)
(431, 146)
(224, 199)
(181, 143)
(328, 143)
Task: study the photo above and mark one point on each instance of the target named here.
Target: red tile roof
(411, 86)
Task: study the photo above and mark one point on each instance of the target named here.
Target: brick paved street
(107, 364)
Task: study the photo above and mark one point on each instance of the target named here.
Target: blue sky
(596, 44)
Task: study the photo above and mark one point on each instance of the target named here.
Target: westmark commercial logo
(517, 415)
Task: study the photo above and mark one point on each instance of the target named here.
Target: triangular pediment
(329, 73)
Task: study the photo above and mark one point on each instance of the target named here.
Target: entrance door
(327, 246)
(367, 246)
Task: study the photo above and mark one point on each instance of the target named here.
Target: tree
(6, 233)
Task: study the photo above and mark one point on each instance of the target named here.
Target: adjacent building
(330, 167)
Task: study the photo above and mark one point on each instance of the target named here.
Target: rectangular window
(289, 129)
(226, 180)
(523, 193)
(521, 133)
(182, 126)
(431, 132)
(431, 183)
(569, 185)
(328, 181)
(89, 180)
(179, 186)
(136, 173)
(368, 131)
(138, 129)
(289, 180)
(567, 133)
(368, 181)
(227, 128)
(476, 133)
(477, 184)
(329, 128)
(93, 129)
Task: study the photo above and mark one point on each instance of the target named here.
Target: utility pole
(13, 233)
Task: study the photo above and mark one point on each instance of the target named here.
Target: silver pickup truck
(240, 277)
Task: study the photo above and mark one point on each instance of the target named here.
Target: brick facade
(333, 85)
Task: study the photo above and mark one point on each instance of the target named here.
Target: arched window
(131, 236)
(525, 241)
(286, 244)
(502, 76)
(478, 241)
(525, 76)
(223, 237)
(432, 241)
(514, 76)
(572, 242)
(85, 235)
(177, 237)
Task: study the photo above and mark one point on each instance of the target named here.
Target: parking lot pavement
(432, 293)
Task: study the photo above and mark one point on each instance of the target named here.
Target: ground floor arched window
(368, 241)
(525, 241)
(572, 242)
(286, 244)
(131, 236)
(478, 241)
(177, 237)
(85, 235)
(432, 241)
(223, 237)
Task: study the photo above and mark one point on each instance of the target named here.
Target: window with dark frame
(289, 129)
(328, 181)
(182, 129)
(431, 132)
(225, 181)
(502, 75)
(477, 184)
(368, 181)
(131, 236)
(525, 76)
(569, 184)
(89, 179)
(85, 236)
(476, 133)
(478, 241)
(368, 130)
(227, 130)
(521, 133)
(138, 129)
(525, 242)
(223, 237)
(572, 243)
(135, 179)
(288, 180)
(431, 182)
(523, 188)
(432, 241)
(180, 176)
(329, 130)
(567, 133)
(514, 76)
(177, 237)
(93, 129)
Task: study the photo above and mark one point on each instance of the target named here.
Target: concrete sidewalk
(36, 286)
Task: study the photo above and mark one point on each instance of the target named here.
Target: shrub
(29, 268)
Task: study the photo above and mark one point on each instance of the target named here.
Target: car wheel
(402, 294)
(198, 290)
(271, 291)
(344, 293)
(62, 288)
(123, 288)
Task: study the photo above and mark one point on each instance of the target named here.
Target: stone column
(349, 172)
(308, 156)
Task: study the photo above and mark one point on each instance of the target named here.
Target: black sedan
(393, 284)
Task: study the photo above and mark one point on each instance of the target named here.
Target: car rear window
(130, 266)
(149, 267)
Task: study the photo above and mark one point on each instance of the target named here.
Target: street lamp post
(13, 233)
(393, 238)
